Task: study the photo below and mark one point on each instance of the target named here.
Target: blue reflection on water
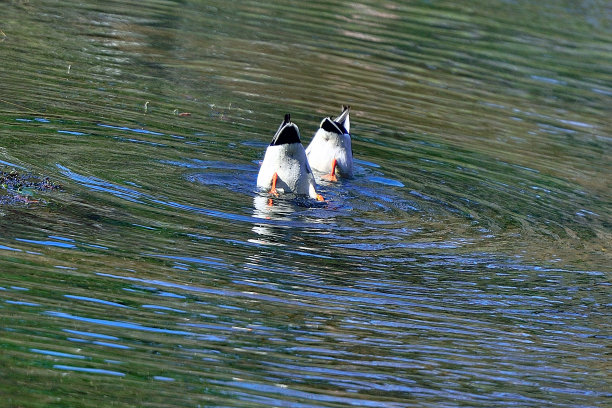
(115, 323)
(112, 345)
(90, 299)
(386, 181)
(21, 303)
(208, 260)
(47, 243)
(70, 132)
(90, 334)
(7, 248)
(41, 120)
(161, 378)
(11, 164)
(88, 370)
(135, 130)
(57, 353)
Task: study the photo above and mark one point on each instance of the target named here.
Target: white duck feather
(285, 160)
(331, 149)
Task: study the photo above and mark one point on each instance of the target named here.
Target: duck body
(330, 150)
(285, 165)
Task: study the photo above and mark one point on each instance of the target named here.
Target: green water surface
(467, 263)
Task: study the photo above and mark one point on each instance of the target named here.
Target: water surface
(466, 263)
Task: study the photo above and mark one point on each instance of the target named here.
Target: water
(466, 264)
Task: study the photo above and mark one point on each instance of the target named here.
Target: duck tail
(287, 133)
(343, 119)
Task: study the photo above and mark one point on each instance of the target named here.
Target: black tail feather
(332, 126)
(287, 133)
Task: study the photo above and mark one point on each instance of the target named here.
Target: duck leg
(273, 189)
(332, 176)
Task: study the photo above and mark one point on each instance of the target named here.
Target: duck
(285, 167)
(330, 149)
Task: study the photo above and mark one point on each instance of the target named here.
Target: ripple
(57, 354)
(386, 181)
(118, 324)
(464, 264)
(94, 300)
(127, 129)
(47, 243)
(7, 248)
(88, 370)
(90, 334)
(72, 132)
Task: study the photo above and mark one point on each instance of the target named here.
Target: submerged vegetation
(23, 188)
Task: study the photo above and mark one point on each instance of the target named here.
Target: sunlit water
(466, 263)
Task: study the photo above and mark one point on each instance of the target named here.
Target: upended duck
(330, 150)
(285, 166)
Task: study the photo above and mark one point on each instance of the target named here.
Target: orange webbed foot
(273, 190)
(332, 175)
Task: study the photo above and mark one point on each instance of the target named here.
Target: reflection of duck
(285, 166)
(330, 150)
(282, 210)
(278, 218)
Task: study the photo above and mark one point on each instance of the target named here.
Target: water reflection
(279, 208)
(466, 263)
(285, 217)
